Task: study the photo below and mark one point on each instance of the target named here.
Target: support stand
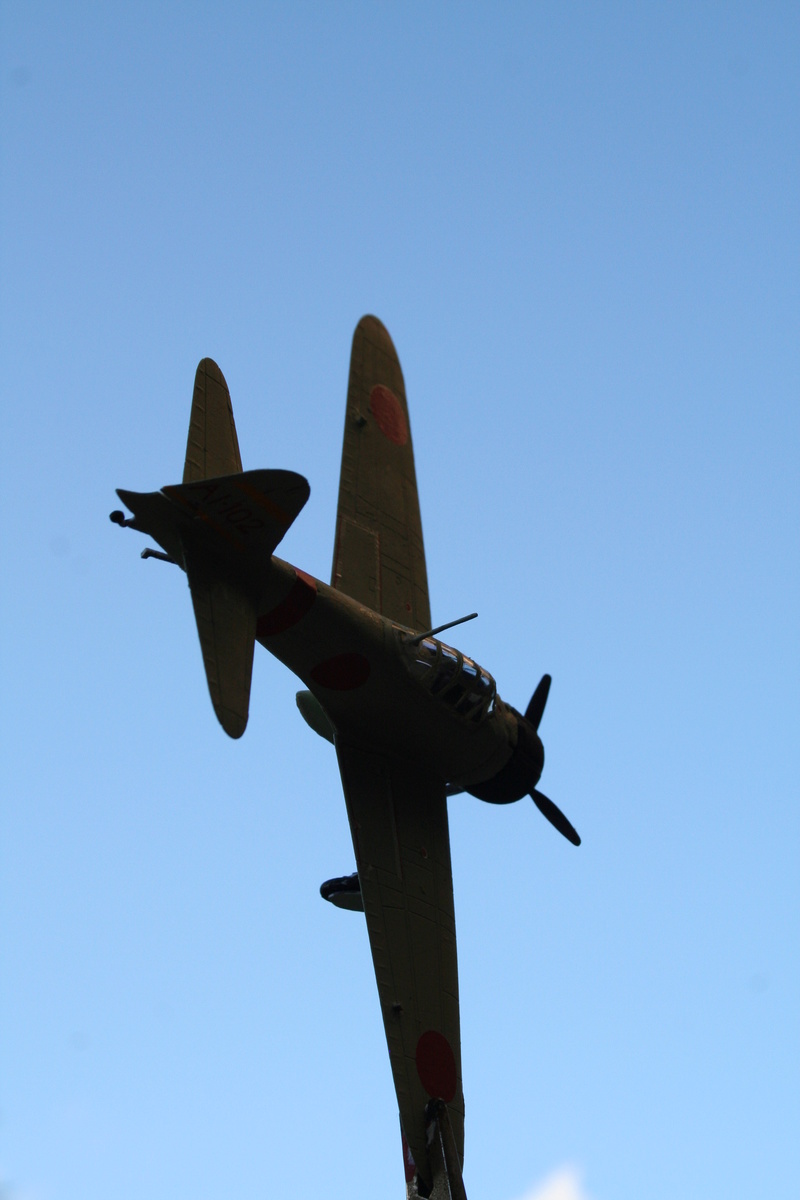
(445, 1165)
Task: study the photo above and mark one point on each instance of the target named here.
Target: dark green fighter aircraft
(413, 720)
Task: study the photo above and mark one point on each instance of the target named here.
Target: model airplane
(412, 719)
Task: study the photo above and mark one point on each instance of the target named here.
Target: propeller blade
(554, 814)
(535, 709)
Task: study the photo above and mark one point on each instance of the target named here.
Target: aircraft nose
(532, 749)
(539, 756)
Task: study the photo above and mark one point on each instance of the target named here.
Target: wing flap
(398, 819)
(357, 563)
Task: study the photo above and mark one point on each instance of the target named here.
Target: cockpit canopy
(456, 679)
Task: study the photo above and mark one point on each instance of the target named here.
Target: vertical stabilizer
(213, 447)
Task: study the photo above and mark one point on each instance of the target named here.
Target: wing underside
(398, 819)
(379, 557)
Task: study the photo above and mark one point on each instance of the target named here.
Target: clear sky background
(579, 223)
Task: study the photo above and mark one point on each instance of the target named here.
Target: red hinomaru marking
(342, 672)
(436, 1066)
(388, 412)
(291, 609)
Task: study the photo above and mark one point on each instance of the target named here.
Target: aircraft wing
(379, 557)
(398, 819)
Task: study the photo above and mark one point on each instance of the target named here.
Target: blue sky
(580, 225)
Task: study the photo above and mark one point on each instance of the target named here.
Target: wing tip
(373, 329)
(210, 366)
(234, 723)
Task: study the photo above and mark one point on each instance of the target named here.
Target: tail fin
(221, 525)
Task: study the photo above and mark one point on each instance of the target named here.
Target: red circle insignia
(291, 609)
(436, 1066)
(388, 412)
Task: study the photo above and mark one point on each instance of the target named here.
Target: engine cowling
(521, 773)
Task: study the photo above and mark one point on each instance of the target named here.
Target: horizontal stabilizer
(212, 447)
(226, 624)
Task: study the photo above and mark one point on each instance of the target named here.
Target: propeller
(533, 714)
(521, 772)
(535, 709)
(555, 816)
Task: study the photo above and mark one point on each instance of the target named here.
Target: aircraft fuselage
(358, 666)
